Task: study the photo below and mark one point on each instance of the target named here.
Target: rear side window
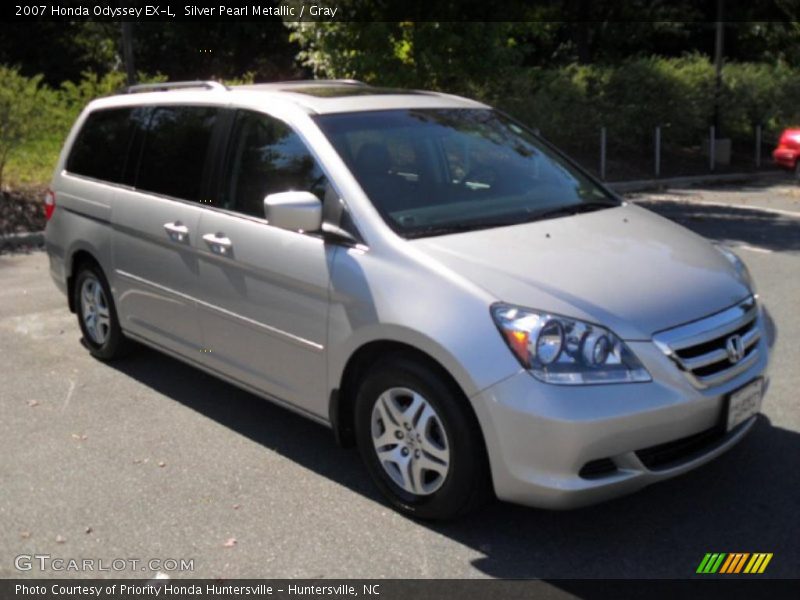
(102, 145)
(176, 144)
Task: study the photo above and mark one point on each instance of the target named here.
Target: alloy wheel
(410, 441)
(94, 310)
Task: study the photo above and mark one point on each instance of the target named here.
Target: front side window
(435, 171)
(176, 143)
(265, 157)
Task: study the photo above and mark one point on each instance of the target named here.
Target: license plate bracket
(743, 403)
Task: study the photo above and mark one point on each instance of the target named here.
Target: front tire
(420, 441)
(97, 315)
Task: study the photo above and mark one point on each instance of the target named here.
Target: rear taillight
(49, 204)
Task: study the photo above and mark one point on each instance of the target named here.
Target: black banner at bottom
(394, 589)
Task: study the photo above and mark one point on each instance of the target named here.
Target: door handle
(218, 243)
(177, 231)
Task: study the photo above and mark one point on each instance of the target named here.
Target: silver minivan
(417, 271)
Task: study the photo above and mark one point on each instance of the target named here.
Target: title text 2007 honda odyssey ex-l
(418, 272)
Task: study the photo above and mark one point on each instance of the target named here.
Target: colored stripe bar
(741, 562)
(727, 564)
(734, 562)
(753, 564)
(765, 563)
(717, 563)
(702, 567)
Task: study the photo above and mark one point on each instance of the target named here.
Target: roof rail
(174, 85)
(321, 82)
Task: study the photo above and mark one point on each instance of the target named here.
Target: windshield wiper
(572, 209)
(432, 230)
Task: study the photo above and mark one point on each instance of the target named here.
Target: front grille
(701, 348)
(671, 454)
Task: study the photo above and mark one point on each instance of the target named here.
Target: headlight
(738, 264)
(566, 351)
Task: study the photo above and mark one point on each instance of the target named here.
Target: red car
(788, 150)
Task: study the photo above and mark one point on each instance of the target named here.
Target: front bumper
(540, 437)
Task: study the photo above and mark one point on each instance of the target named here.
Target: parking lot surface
(148, 458)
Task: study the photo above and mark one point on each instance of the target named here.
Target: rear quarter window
(101, 148)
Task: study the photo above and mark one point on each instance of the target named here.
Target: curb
(655, 184)
(14, 240)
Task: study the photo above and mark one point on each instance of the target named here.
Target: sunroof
(341, 91)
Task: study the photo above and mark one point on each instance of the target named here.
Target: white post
(658, 151)
(711, 149)
(758, 146)
(602, 153)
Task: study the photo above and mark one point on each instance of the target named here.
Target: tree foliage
(570, 104)
(408, 54)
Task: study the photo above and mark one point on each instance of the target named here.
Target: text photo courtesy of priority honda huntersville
(417, 271)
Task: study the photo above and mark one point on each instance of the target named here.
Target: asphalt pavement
(147, 458)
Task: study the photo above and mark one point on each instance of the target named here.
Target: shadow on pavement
(754, 227)
(746, 501)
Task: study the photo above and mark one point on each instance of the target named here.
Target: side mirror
(295, 211)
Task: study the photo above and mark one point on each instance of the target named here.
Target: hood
(625, 268)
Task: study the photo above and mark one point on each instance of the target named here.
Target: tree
(430, 54)
(20, 110)
(215, 50)
(61, 50)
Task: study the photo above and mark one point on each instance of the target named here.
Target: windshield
(437, 171)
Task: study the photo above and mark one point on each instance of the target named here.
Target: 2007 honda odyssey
(417, 271)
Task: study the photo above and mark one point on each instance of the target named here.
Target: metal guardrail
(710, 146)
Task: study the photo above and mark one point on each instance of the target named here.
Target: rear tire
(97, 315)
(797, 170)
(420, 441)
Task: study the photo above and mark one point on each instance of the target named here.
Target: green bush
(675, 94)
(21, 111)
(32, 159)
(570, 104)
(557, 102)
(630, 100)
(760, 94)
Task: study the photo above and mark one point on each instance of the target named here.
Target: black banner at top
(323, 11)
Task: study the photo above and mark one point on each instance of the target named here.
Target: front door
(263, 291)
